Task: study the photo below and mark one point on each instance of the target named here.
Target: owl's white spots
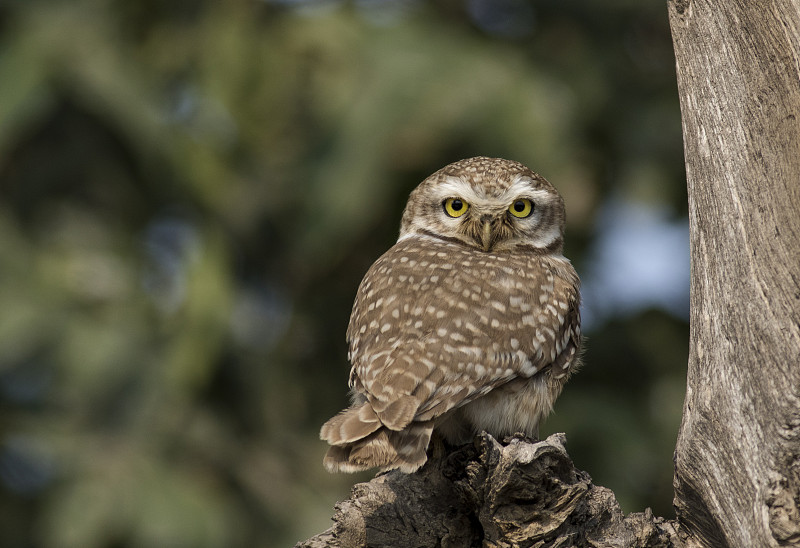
(471, 327)
(473, 351)
(529, 320)
(458, 320)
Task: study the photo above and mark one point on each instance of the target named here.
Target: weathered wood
(737, 458)
(522, 494)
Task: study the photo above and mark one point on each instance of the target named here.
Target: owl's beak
(487, 238)
(487, 230)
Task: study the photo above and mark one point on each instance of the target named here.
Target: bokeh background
(190, 193)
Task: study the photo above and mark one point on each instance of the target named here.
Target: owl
(469, 323)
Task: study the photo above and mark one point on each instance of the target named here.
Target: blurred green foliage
(190, 193)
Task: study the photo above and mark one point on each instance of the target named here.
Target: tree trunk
(737, 460)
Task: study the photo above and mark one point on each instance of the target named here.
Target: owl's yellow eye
(521, 208)
(455, 207)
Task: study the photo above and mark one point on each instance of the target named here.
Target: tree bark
(737, 460)
(517, 494)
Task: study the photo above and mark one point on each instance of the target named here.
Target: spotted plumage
(470, 322)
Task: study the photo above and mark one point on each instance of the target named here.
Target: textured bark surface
(738, 454)
(521, 494)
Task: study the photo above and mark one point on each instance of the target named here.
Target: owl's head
(489, 204)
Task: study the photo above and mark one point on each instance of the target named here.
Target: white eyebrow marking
(523, 187)
(455, 187)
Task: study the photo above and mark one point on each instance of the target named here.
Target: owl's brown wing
(444, 334)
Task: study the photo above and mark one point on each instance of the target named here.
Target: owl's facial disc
(490, 212)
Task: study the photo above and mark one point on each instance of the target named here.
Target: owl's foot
(521, 436)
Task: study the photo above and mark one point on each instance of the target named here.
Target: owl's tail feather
(352, 424)
(384, 449)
